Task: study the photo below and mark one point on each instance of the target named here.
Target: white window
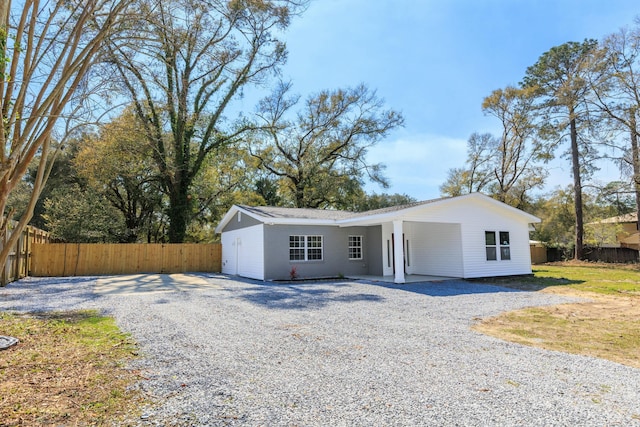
(355, 247)
(492, 245)
(297, 248)
(305, 248)
(505, 248)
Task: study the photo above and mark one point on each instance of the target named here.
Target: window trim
(306, 246)
(498, 246)
(504, 246)
(359, 247)
(488, 246)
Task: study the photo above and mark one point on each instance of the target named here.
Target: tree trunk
(179, 210)
(635, 158)
(577, 186)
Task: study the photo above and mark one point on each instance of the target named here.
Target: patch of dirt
(595, 264)
(602, 307)
(59, 375)
(607, 327)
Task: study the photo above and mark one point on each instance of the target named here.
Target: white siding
(475, 260)
(243, 252)
(474, 218)
(434, 249)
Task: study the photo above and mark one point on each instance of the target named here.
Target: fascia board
(233, 210)
(397, 215)
(370, 220)
(225, 219)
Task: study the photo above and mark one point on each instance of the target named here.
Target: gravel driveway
(343, 354)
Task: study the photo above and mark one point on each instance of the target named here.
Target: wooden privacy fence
(614, 255)
(94, 259)
(19, 261)
(538, 253)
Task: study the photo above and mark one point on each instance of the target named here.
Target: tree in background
(62, 174)
(187, 61)
(228, 177)
(559, 79)
(267, 189)
(369, 202)
(476, 175)
(617, 94)
(74, 214)
(46, 52)
(319, 155)
(117, 164)
(556, 210)
(619, 196)
(507, 167)
(517, 152)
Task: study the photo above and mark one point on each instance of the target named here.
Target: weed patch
(67, 369)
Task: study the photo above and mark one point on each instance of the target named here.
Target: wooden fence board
(538, 254)
(19, 261)
(93, 259)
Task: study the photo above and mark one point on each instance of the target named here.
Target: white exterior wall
(474, 219)
(475, 259)
(434, 249)
(243, 252)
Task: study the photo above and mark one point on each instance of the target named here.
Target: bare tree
(46, 51)
(518, 152)
(319, 153)
(617, 94)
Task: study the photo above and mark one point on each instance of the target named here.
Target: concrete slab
(151, 283)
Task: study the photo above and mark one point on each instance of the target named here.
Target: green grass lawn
(67, 369)
(605, 325)
(597, 278)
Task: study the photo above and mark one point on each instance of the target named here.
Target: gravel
(344, 353)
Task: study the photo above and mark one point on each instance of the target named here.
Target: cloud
(417, 164)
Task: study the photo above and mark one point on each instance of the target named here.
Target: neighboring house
(623, 227)
(465, 237)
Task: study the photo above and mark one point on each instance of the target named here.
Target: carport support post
(398, 252)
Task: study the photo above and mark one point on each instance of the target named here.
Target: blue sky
(435, 60)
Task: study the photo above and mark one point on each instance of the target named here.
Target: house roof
(296, 213)
(280, 215)
(630, 217)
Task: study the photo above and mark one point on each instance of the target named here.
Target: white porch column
(398, 245)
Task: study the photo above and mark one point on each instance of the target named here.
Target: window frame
(307, 247)
(505, 246)
(498, 247)
(490, 246)
(359, 247)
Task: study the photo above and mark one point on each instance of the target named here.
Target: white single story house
(468, 236)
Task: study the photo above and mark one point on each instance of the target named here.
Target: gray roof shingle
(324, 214)
(297, 213)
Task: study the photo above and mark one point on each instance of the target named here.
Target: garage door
(243, 252)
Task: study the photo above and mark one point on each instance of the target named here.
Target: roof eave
(233, 210)
(390, 216)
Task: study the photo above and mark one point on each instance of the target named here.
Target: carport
(428, 250)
